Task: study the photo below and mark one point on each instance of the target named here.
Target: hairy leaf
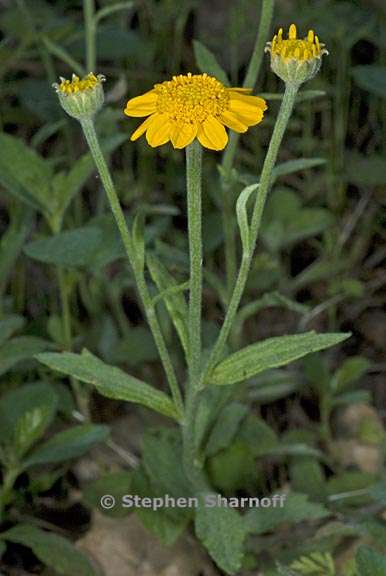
(270, 353)
(109, 380)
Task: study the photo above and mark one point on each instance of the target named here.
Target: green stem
(261, 39)
(10, 476)
(90, 34)
(192, 467)
(65, 304)
(230, 151)
(80, 393)
(264, 186)
(92, 140)
(193, 183)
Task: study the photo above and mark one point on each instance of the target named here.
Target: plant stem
(193, 184)
(103, 170)
(261, 39)
(65, 304)
(193, 469)
(230, 151)
(10, 476)
(80, 393)
(90, 34)
(262, 192)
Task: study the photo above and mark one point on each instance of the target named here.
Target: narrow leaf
(68, 444)
(109, 380)
(271, 353)
(242, 216)
(175, 301)
(51, 549)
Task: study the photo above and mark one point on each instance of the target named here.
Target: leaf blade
(110, 381)
(270, 353)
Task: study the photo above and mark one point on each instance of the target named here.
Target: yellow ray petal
(142, 105)
(141, 128)
(240, 90)
(212, 134)
(253, 100)
(232, 121)
(249, 115)
(182, 135)
(158, 132)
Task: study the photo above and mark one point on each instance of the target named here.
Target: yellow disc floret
(77, 84)
(192, 98)
(295, 59)
(194, 106)
(297, 48)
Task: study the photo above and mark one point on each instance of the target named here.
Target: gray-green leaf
(242, 216)
(175, 301)
(271, 353)
(109, 380)
(68, 444)
(222, 532)
(51, 549)
(33, 403)
(296, 508)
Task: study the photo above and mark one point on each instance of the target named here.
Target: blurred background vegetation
(320, 263)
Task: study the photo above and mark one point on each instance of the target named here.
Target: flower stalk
(193, 185)
(103, 170)
(262, 192)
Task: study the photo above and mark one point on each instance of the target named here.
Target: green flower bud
(295, 60)
(81, 98)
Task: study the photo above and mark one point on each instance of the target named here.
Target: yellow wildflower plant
(81, 97)
(194, 106)
(294, 59)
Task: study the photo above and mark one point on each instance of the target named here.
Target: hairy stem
(148, 306)
(262, 192)
(193, 184)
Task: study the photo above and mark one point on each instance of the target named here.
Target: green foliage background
(315, 429)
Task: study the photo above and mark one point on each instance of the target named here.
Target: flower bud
(81, 98)
(295, 60)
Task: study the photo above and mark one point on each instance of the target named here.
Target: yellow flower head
(81, 97)
(194, 106)
(295, 59)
